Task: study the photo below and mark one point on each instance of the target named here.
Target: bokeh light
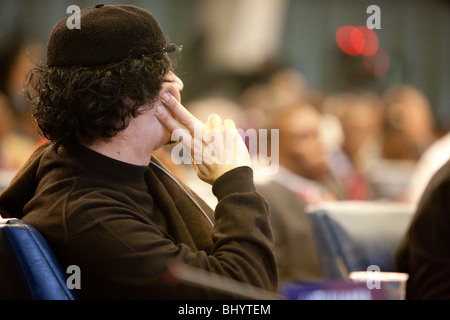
(357, 40)
(378, 64)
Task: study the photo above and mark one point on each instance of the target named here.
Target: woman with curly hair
(106, 99)
(89, 102)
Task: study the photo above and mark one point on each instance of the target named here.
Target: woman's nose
(174, 85)
(178, 82)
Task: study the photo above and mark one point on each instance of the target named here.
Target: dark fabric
(122, 224)
(425, 252)
(295, 247)
(106, 35)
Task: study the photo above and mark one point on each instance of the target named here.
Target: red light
(344, 39)
(357, 40)
(378, 64)
(370, 41)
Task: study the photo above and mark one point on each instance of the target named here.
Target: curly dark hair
(81, 104)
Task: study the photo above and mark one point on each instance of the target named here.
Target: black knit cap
(107, 35)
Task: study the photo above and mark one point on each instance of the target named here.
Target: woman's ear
(128, 101)
(131, 103)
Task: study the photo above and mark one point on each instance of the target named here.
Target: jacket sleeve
(126, 258)
(21, 188)
(242, 226)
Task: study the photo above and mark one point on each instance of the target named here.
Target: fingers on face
(179, 133)
(229, 124)
(166, 118)
(185, 118)
(214, 122)
(176, 118)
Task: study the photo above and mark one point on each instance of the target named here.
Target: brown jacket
(295, 247)
(122, 224)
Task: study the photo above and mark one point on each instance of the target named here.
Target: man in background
(303, 179)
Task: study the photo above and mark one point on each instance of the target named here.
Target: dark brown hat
(107, 34)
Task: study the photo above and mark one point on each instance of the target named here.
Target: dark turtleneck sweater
(121, 224)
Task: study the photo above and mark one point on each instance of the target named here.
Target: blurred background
(253, 58)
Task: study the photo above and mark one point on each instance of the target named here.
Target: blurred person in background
(408, 131)
(288, 87)
(18, 132)
(15, 148)
(303, 178)
(17, 57)
(409, 123)
(360, 118)
(256, 99)
(264, 100)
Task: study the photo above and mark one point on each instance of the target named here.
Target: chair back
(28, 267)
(353, 235)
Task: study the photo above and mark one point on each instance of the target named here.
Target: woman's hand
(215, 147)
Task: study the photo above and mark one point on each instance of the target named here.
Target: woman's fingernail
(159, 110)
(165, 97)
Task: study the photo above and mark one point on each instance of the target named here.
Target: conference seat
(357, 235)
(28, 267)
